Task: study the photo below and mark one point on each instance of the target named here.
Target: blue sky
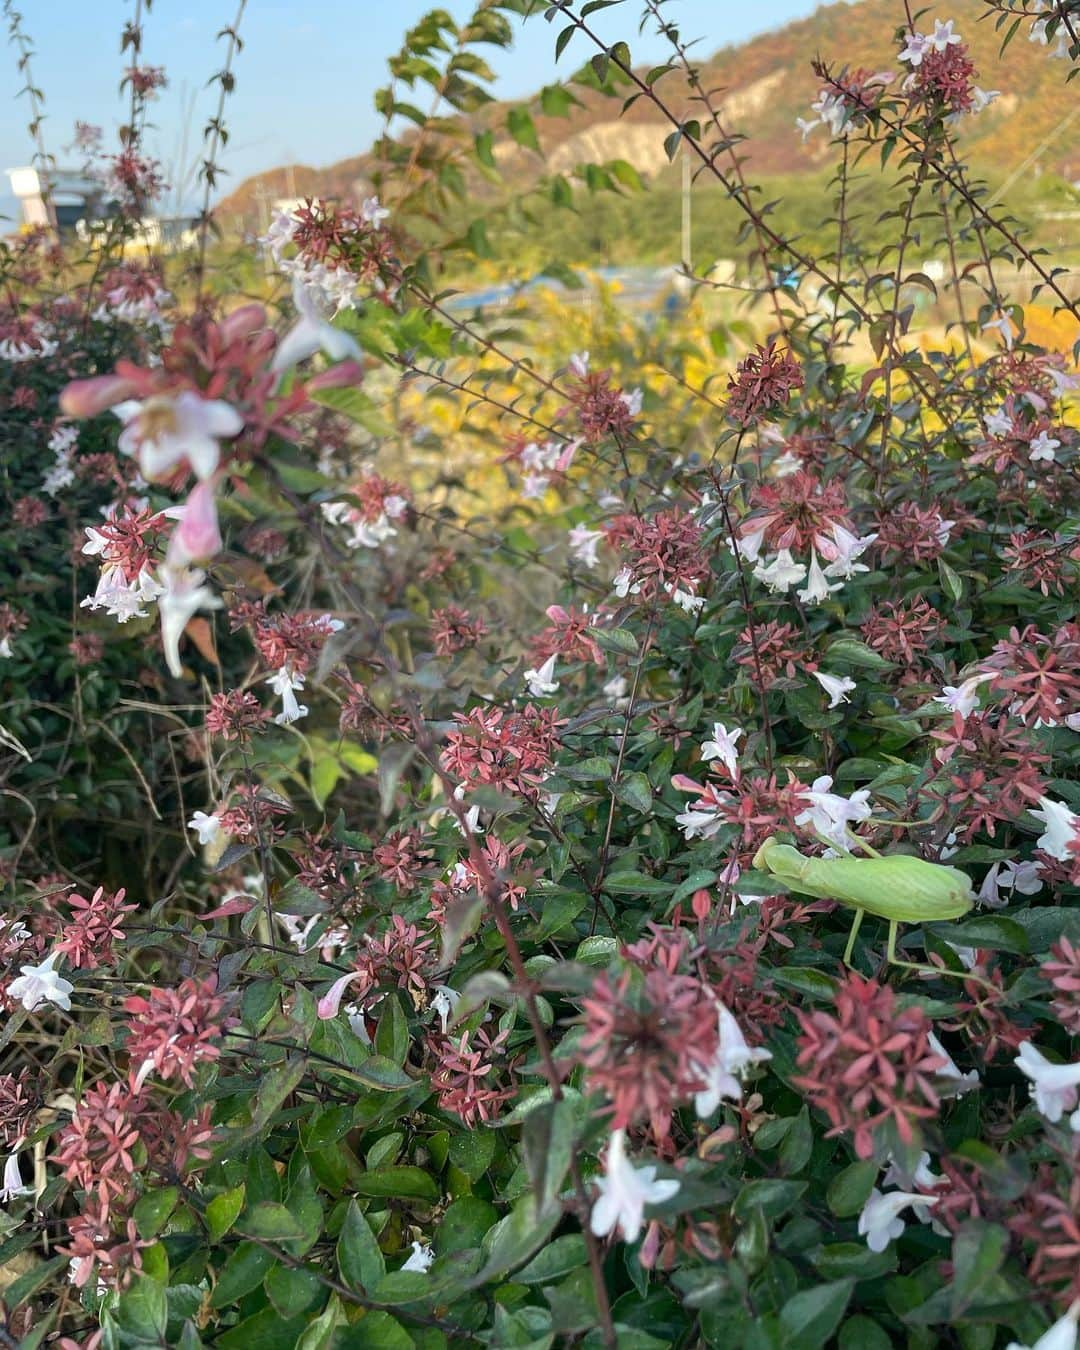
(306, 75)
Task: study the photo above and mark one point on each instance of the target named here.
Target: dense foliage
(555, 830)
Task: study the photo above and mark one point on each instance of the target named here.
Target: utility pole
(686, 184)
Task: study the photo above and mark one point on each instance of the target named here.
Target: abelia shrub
(403, 714)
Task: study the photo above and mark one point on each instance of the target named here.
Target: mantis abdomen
(898, 887)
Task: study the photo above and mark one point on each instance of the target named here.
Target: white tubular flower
(880, 1222)
(895, 1175)
(12, 1186)
(183, 596)
(943, 36)
(1004, 326)
(1061, 829)
(915, 48)
(443, 1003)
(164, 431)
(284, 682)
(836, 686)
(616, 690)
(542, 682)
(1042, 448)
(749, 545)
(998, 423)
(207, 827)
(686, 600)
(373, 213)
(41, 984)
(959, 1082)
(623, 583)
(624, 1191)
(829, 814)
(1022, 877)
(312, 331)
(584, 544)
(722, 747)
(964, 697)
(843, 550)
(420, 1258)
(1055, 1088)
(782, 573)
(1061, 1336)
(818, 587)
(725, 1073)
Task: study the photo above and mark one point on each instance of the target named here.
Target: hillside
(764, 85)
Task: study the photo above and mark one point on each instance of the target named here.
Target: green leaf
(515, 1238)
(556, 101)
(978, 1252)
(841, 1259)
(267, 1330)
(519, 123)
(326, 773)
(319, 1335)
(862, 1333)
(625, 173)
(852, 652)
(327, 1128)
(586, 770)
(472, 1153)
(152, 1210)
(263, 1182)
(485, 148)
(476, 240)
(699, 879)
(461, 919)
(619, 640)
(558, 1258)
(293, 1291)
(635, 790)
(354, 404)
(243, 1271)
(636, 883)
(260, 1000)
(806, 980)
(752, 1244)
(297, 478)
(563, 38)
(276, 1084)
(142, 1309)
(798, 1143)
(270, 1220)
(993, 931)
(382, 1074)
(850, 1189)
(809, 1318)
(952, 584)
(360, 1260)
(376, 1330)
(596, 950)
(408, 1183)
(549, 1140)
(27, 1285)
(773, 1198)
(392, 1033)
(464, 1224)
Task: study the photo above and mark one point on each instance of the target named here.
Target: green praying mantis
(896, 887)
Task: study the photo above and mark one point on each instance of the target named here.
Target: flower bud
(88, 398)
